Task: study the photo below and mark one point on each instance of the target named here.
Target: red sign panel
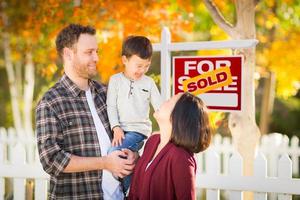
(225, 98)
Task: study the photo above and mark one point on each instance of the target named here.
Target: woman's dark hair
(137, 45)
(190, 124)
(69, 35)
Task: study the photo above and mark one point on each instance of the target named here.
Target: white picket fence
(277, 160)
(219, 168)
(273, 146)
(235, 184)
(19, 161)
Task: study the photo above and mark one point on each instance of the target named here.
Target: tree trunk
(242, 125)
(28, 94)
(244, 130)
(21, 93)
(12, 83)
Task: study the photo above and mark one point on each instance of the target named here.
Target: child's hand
(118, 136)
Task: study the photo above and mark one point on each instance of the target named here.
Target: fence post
(260, 172)
(3, 135)
(165, 65)
(213, 169)
(11, 142)
(295, 153)
(2, 187)
(227, 151)
(200, 162)
(40, 190)
(18, 158)
(285, 172)
(275, 140)
(235, 169)
(217, 143)
(30, 142)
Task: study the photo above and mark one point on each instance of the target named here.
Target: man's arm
(112, 162)
(56, 160)
(53, 158)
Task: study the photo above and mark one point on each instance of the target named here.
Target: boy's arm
(156, 98)
(111, 102)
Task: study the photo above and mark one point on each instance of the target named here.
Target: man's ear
(67, 53)
(124, 60)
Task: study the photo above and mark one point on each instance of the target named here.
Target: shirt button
(70, 123)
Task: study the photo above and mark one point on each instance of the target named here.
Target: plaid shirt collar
(74, 89)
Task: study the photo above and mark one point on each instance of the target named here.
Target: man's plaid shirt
(64, 126)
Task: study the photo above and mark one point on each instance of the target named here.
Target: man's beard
(84, 72)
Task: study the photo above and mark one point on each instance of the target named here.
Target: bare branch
(218, 17)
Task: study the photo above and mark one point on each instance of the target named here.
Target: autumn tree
(278, 30)
(28, 30)
(25, 31)
(20, 85)
(117, 19)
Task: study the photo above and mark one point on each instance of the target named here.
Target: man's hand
(131, 155)
(119, 166)
(118, 136)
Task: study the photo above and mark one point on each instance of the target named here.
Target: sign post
(165, 47)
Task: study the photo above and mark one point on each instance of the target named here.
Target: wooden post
(212, 168)
(267, 102)
(165, 65)
(260, 172)
(236, 170)
(285, 173)
(2, 186)
(18, 158)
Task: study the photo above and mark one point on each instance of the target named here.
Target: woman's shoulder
(181, 154)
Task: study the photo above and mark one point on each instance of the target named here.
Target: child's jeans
(134, 142)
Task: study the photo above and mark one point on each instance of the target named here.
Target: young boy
(129, 96)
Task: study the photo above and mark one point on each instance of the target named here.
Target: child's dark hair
(190, 124)
(69, 35)
(137, 45)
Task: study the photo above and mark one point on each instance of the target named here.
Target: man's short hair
(69, 35)
(137, 45)
(190, 124)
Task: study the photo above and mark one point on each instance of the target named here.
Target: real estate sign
(217, 80)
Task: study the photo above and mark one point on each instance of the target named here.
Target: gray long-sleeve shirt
(128, 103)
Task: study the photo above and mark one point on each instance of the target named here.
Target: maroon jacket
(171, 175)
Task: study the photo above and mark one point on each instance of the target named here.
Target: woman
(167, 167)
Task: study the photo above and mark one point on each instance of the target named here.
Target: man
(73, 133)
